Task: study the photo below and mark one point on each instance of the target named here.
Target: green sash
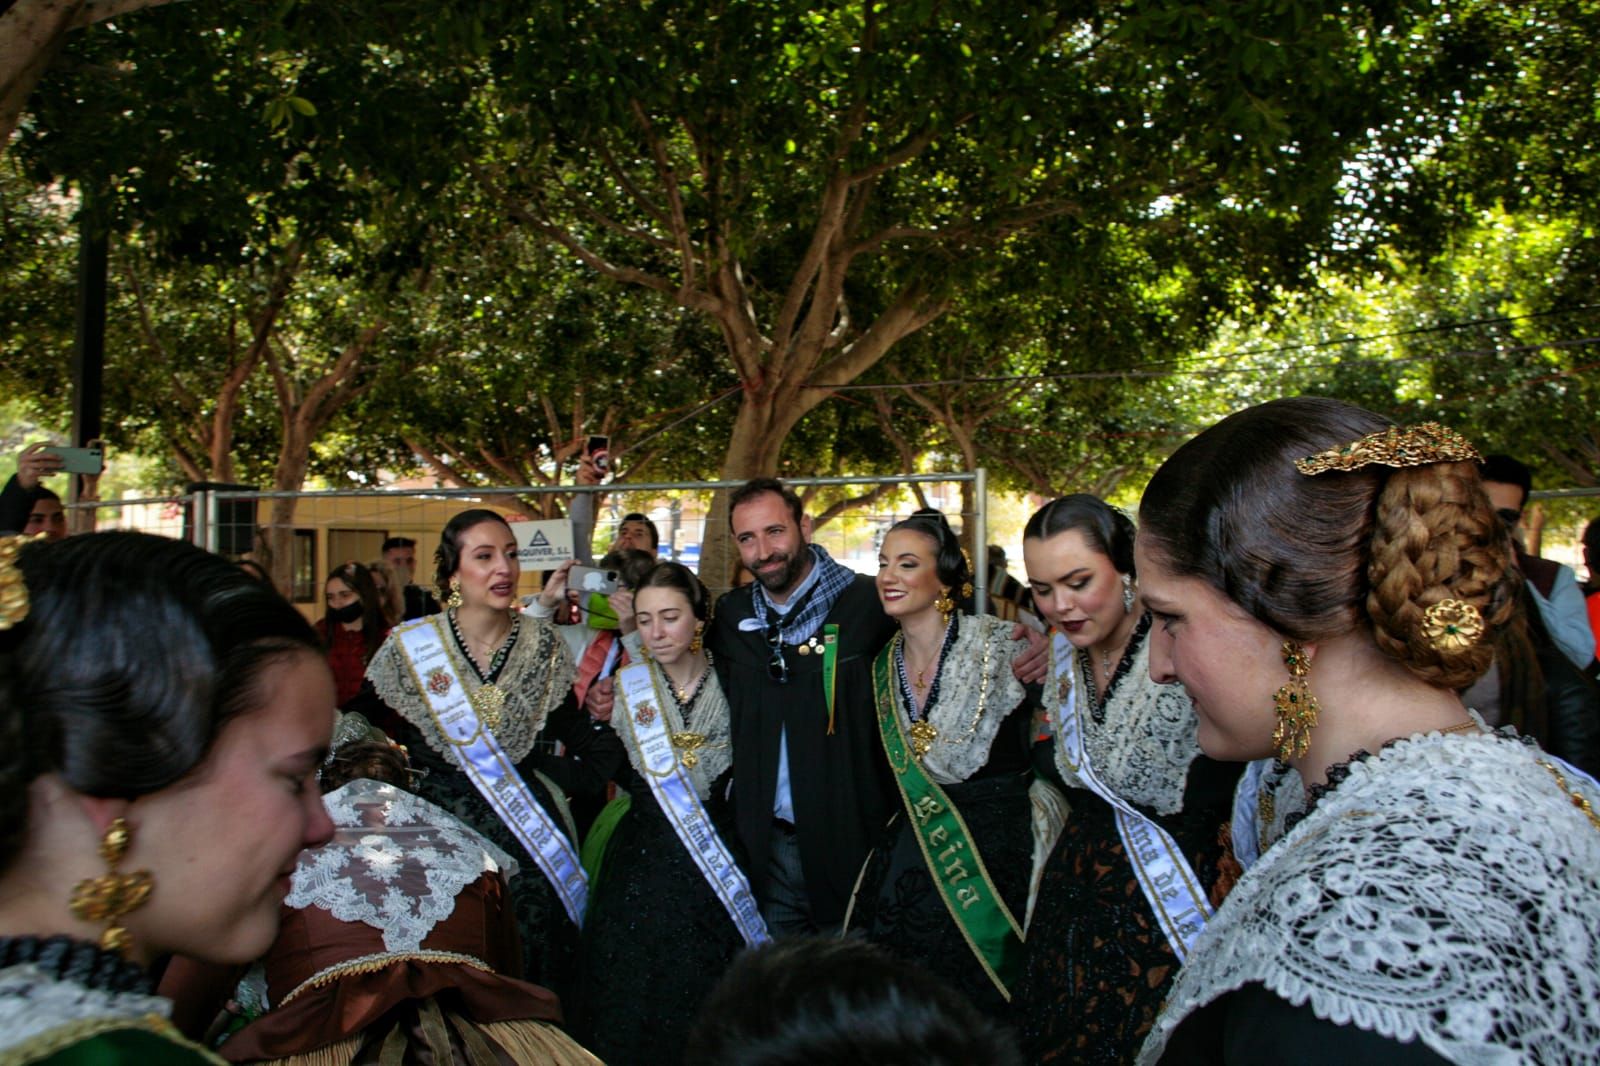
(953, 859)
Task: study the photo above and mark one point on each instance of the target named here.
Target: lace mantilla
(1143, 749)
(1446, 891)
(536, 677)
(976, 691)
(34, 1001)
(708, 716)
(396, 862)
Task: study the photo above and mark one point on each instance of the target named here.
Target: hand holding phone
(599, 449)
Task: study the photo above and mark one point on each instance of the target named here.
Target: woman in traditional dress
(947, 885)
(353, 629)
(1109, 927)
(162, 719)
(1323, 582)
(481, 693)
(671, 907)
(396, 937)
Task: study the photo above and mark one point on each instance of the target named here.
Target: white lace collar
(976, 691)
(1143, 749)
(396, 862)
(1446, 891)
(34, 1002)
(708, 717)
(536, 677)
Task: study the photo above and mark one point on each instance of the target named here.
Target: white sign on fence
(543, 545)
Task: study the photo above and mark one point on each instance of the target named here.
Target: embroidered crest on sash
(438, 681)
(646, 714)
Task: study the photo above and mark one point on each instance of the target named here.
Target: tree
(823, 183)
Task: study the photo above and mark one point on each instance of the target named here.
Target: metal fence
(331, 527)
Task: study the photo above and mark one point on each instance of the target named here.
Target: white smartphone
(89, 460)
(584, 579)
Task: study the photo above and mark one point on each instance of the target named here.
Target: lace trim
(536, 677)
(1447, 891)
(708, 716)
(976, 691)
(34, 1001)
(1143, 749)
(396, 863)
(381, 961)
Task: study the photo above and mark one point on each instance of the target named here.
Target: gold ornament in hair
(1296, 707)
(14, 601)
(1396, 446)
(1452, 625)
(111, 895)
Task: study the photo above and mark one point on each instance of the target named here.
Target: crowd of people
(1248, 797)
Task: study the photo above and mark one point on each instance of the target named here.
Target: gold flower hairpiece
(1396, 446)
(1451, 625)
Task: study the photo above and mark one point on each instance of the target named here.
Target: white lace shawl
(34, 1002)
(976, 691)
(536, 677)
(708, 717)
(396, 862)
(1447, 891)
(1143, 749)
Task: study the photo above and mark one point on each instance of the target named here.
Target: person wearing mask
(352, 629)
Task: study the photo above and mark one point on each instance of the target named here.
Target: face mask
(348, 613)
(599, 614)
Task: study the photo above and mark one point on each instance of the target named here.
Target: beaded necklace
(906, 694)
(498, 660)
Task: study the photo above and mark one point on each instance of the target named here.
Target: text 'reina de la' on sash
(1164, 875)
(486, 764)
(674, 792)
(952, 857)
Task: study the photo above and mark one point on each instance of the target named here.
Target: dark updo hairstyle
(447, 557)
(816, 1000)
(680, 577)
(372, 760)
(1108, 530)
(948, 561)
(135, 652)
(1316, 556)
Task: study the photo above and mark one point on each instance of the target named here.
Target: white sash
(642, 716)
(1244, 828)
(486, 764)
(1174, 893)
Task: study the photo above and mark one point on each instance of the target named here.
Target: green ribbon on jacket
(952, 857)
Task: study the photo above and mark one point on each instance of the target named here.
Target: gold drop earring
(111, 895)
(454, 599)
(1294, 705)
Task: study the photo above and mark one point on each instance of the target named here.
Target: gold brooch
(14, 601)
(1396, 446)
(1451, 625)
(923, 734)
(488, 701)
(689, 744)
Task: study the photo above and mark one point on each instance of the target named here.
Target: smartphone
(599, 449)
(80, 460)
(586, 579)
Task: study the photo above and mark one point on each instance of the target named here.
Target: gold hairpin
(1396, 446)
(13, 589)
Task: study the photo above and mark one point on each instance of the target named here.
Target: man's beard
(781, 581)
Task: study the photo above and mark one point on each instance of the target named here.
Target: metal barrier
(332, 526)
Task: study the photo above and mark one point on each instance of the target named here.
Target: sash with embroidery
(640, 713)
(947, 847)
(486, 764)
(1164, 875)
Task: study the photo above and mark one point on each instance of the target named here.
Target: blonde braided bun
(1435, 537)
